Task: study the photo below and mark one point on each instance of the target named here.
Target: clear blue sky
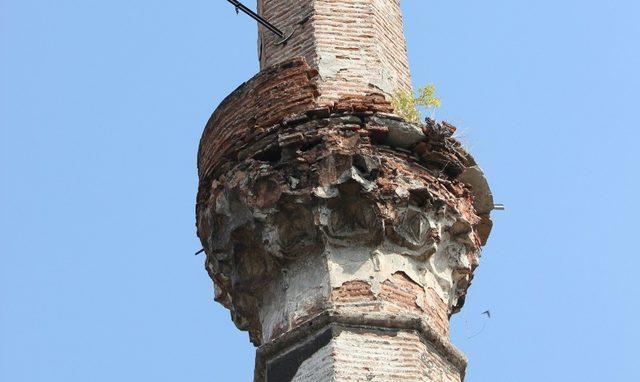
(102, 106)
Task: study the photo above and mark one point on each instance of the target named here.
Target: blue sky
(102, 104)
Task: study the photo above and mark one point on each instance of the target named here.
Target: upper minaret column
(357, 46)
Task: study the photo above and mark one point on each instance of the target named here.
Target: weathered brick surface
(358, 354)
(398, 295)
(353, 292)
(389, 356)
(403, 292)
(290, 16)
(358, 46)
(263, 101)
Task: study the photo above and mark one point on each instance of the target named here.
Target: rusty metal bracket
(287, 35)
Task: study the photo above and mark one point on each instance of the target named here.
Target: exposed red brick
(353, 291)
(398, 294)
(263, 101)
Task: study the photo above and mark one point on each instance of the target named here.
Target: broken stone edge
(285, 95)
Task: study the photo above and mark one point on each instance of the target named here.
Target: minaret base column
(370, 347)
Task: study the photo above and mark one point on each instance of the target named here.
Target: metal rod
(255, 16)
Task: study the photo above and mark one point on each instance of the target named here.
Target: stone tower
(340, 236)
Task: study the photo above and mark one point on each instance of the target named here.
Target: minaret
(340, 236)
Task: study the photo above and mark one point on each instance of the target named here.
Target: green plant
(406, 105)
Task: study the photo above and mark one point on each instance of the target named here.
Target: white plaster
(294, 293)
(435, 266)
(375, 267)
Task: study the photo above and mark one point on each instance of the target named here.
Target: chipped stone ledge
(335, 320)
(430, 146)
(285, 95)
(322, 183)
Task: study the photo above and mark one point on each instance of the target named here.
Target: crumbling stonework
(340, 236)
(342, 209)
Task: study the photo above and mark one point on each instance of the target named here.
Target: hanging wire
(241, 7)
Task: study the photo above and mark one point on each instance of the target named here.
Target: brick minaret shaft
(340, 236)
(358, 46)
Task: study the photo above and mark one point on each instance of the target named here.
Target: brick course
(398, 295)
(359, 354)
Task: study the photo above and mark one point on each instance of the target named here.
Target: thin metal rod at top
(255, 16)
